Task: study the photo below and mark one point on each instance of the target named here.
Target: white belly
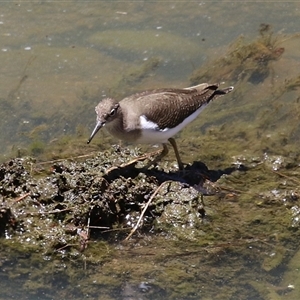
(152, 135)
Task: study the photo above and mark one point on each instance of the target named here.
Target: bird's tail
(225, 91)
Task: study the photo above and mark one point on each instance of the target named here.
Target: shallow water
(59, 59)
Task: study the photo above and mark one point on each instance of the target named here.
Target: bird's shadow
(193, 175)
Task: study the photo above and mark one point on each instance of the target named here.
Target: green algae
(36, 148)
(247, 221)
(265, 291)
(245, 61)
(249, 215)
(290, 279)
(250, 225)
(274, 259)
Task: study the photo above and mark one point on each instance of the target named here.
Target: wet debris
(71, 201)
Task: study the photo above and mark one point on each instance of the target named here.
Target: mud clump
(61, 206)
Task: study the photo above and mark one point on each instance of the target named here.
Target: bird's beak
(98, 126)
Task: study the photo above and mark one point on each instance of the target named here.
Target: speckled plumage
(154, 116)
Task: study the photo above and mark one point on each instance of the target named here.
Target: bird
(155, 116)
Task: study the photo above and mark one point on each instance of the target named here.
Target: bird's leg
(179, 161)
(162, 154)
(165, 151)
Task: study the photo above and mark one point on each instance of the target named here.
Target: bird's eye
(112, 112)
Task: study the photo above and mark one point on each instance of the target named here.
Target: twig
(116, 229)
(127, 164)
(145, 208)
(134, 161)
(62, 159)
(49, 212)
(286, 176)
(22, 197)
(64, 247)
(98, 227)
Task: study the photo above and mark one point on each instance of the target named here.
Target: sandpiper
(155, 116)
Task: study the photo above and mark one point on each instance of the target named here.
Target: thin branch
(286, 176)
(145, 208)
(127, 164)
(49, 212)
(62, 159)
(98, 227)
(22, 197)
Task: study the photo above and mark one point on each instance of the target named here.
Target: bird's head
(106, 112)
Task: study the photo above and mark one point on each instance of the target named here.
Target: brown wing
(186, 91)
(169, 107)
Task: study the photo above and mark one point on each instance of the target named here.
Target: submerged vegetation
(78, 211)
(244, 61)
(82, 223)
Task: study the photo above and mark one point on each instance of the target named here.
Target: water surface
(59, 59)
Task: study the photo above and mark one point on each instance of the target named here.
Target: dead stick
(286, 176)
(98, 227)
(49, 212)
(127, 164)
(144, 210)
(22, 197)
(62, 159)
(133, 161)
(64, 247)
